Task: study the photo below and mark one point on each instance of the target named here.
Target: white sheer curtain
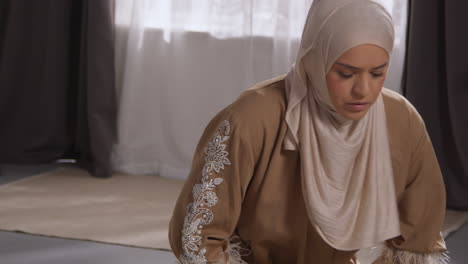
(179, 62)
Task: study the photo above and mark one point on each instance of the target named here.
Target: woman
(313, 166)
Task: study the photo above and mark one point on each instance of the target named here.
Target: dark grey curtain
(436, 82)
(57, 96)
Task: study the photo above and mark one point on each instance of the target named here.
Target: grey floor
(18, 248)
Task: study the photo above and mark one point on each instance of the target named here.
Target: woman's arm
(421, 206)
(208, 208)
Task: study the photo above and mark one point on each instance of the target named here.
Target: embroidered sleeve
(198, 213)
(396, 256)
(206, 214)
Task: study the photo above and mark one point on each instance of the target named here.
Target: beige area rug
(125, 210)
(453, 221)
(69, 203)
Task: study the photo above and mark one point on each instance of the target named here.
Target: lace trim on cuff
(396, 256)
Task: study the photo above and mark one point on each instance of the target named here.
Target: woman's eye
(345, 75)
(377, 74)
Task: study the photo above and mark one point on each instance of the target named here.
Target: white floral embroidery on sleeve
(198, 213)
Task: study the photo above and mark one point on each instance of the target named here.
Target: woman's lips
(357, 107)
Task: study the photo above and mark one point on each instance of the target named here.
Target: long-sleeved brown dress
(243, 197)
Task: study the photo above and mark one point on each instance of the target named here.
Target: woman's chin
(354, 116)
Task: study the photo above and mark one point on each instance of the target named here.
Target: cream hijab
(346, 170)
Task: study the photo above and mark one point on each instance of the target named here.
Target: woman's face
(356, 79)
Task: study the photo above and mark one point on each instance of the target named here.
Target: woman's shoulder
(265, 102)
(403, 120)
(257, 111)
(397, 107)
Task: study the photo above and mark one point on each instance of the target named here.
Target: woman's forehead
(364, 56)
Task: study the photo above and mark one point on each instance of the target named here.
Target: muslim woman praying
(313, 166)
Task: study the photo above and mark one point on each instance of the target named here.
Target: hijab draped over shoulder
(346, 171)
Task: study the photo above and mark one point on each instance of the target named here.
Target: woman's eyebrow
(357, 68)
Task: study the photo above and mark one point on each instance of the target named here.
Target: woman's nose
(361, 87)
